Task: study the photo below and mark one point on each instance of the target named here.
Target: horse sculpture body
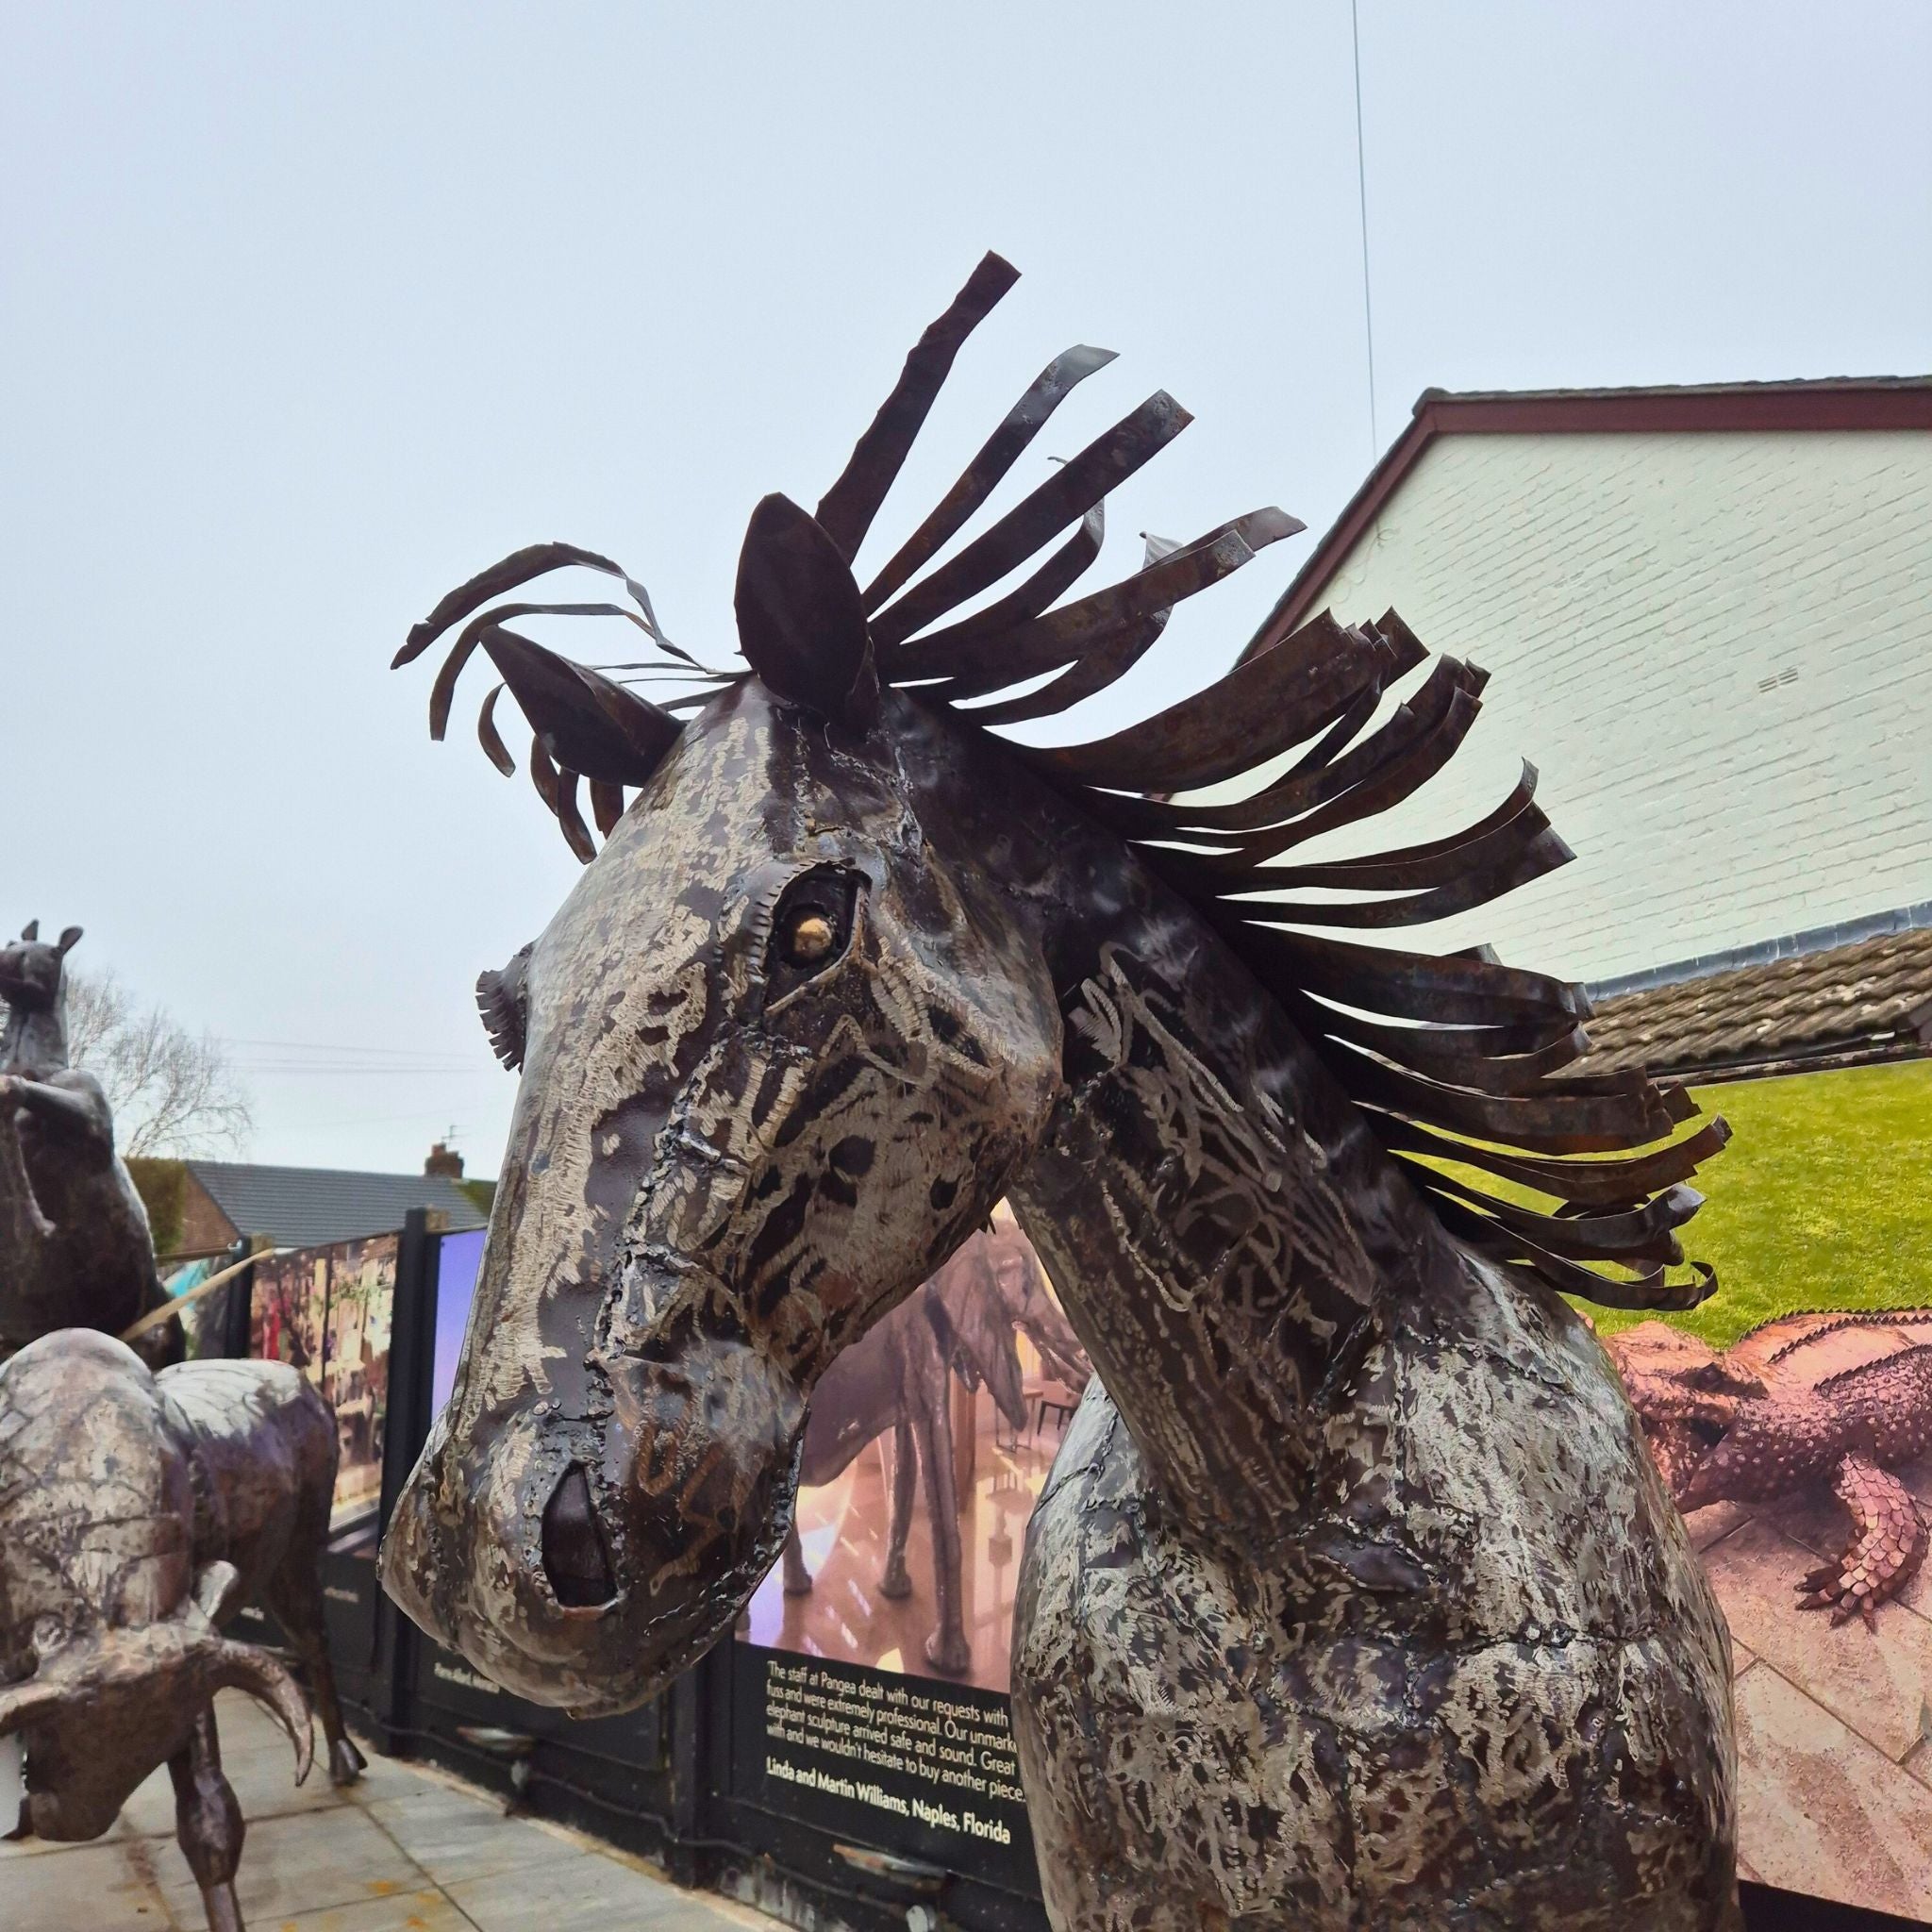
(898, 1377)
(74, 1245)
(1352, 1598)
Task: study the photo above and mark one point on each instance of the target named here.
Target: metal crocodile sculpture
(1801, 1399)
(76, 1249)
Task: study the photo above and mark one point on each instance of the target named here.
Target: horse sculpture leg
(293, 1594)
(893, 1579)
(208, 1821)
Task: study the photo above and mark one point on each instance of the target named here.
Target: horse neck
(34, 1042)
(1223, 1230)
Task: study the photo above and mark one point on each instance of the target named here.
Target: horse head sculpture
(849, 967)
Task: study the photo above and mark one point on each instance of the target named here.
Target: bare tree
(171, 1093)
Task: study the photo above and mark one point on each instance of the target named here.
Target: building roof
(1840, 1006)
(305, 1207)
(1828, 403)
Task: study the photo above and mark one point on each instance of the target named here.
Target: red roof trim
(1785, 407)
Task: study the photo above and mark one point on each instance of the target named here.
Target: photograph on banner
(328, 1311)
(355, 1380)
(927, 1446)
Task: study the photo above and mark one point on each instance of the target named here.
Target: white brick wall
(1629, 593)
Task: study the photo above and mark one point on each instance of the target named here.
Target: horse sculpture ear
(68, 940)
(587, 724)
(31, 930)
(801, 619)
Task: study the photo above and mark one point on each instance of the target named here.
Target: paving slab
(577, 1891)
(404, 1911)
(1878, 1683)
(455, 1835)
(89, 1887)
(1821, 1811)
(297, 1863)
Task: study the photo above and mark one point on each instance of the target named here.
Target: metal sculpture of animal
(74, 1245)
(1354, 1596)
(898, 1377)
(1823, 1396)
(137, 1512)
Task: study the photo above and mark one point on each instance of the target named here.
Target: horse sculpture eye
(813, 925)
(809, 942)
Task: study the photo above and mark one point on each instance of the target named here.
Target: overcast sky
(308, 311)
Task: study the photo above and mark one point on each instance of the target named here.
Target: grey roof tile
(305, 1207)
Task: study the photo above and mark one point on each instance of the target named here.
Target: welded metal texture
(76, 1249)
(1826, 1397)
(897, 1377)
(137, 1512)
(1353, 1598)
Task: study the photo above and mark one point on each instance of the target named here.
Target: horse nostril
(575, 1558)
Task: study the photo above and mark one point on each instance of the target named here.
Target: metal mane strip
(1286, 694)
(997, 455)
(1070, 491)
(1593, 1183)
(846, 509)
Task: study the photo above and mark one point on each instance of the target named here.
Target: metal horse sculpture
(898, 1377)
(74, 1245)
(137, 1513)
(1354, 1597)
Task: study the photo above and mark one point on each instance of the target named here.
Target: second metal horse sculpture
(75, 1251)
(1353, 1598)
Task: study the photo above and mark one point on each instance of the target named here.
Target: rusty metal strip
(1599, 1123)
(575, 833)
(1063, 635)
(1058, 573)
(1210, 737)
(1438, 862)
(998, 454)
(1545, 852)
(543, 774)
(1435, 709)
(1251, 823)
(1409, 985)
(489, 738)
(1392, 783)
(846, 509)
(1093, 672)
(443, 691)
(1069, 494)
(1645, 1232)
(1590, 1183)
(1498, 1059)
(1650, 1291)
(518, 567)
(607, 805)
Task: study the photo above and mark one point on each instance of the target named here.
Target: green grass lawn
(1824, 1198)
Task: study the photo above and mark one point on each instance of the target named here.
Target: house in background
(222, 1201)
(1707, 614)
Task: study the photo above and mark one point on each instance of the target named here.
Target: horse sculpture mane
(1455, 1061)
